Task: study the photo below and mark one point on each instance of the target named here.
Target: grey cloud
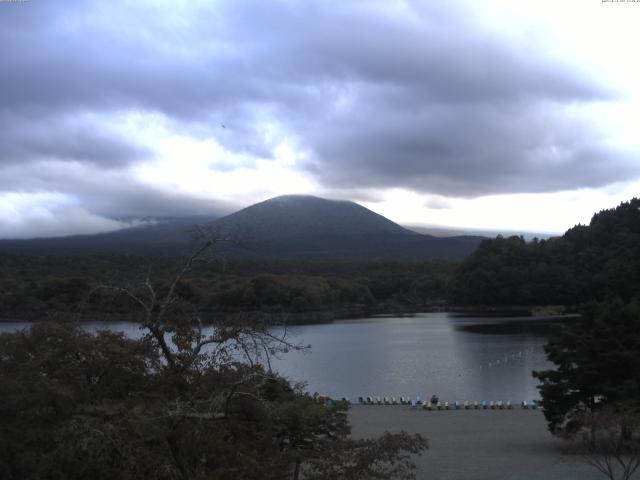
(251, 53)
(32, 136)
(434, 105)
(437, 203)
(56, 221)
(475, 150)
(144, 200)
(418, 97)
(107, 193)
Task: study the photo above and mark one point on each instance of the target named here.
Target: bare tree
(609, 441)
(187, 342)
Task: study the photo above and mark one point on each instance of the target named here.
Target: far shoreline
(316, 317)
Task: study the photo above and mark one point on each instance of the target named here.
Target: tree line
(589, 262)
(31, 287)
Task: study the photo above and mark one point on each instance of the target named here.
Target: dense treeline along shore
(588, 263)
(296, 292)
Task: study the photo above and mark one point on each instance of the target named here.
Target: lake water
(457, 358)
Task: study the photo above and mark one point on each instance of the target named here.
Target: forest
(33, 286)
(588, 263)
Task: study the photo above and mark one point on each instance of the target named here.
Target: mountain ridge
(287, 227)
(307, 215)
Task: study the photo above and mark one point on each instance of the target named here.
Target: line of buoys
(506, 359)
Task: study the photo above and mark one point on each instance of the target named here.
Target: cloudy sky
(480, 114)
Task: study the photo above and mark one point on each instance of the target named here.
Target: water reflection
(457, 358)
(540, 326)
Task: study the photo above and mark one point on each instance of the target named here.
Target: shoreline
(303, 318)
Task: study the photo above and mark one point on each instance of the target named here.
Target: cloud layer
(371, 95)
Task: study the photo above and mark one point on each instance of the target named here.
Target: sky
(495, 114)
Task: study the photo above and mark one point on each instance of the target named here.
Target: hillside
(287, 227)
(589, 262)
(291, 216)
(159, 236)
(297, 226)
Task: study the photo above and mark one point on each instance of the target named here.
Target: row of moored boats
(437, 405)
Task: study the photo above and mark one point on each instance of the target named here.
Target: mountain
(286, 227)
(157, 235)
(301, 226)
(290, 216)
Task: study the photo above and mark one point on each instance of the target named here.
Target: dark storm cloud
(469, 151)
(380, 94)
(30, 137)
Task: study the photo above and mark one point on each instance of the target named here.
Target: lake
(457, 358)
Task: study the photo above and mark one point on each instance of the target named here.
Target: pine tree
(597, 363)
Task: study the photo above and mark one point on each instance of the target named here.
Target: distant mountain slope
(287, 227)
(290, 216)
(589, 262)
(297, 226)
(441, 231)
(161, 235)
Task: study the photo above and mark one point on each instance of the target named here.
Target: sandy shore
(477, 444)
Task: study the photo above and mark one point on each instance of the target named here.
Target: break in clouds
(373, 94)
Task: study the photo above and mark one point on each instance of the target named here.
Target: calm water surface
(456, 358)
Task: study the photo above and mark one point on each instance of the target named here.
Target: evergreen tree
(597, 363)
(594, 262)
